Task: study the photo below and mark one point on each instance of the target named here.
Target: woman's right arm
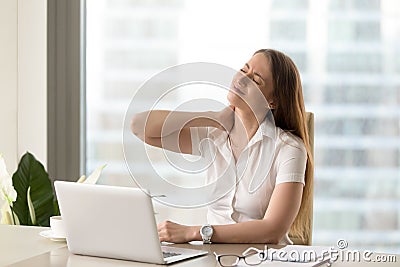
(171, 129)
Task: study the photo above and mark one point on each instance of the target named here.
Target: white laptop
(114, 222)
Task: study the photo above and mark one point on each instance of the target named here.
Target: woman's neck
(247, 122)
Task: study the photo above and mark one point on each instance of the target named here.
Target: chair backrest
(297, 240)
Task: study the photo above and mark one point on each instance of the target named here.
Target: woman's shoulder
(290, 141)
(214, 134)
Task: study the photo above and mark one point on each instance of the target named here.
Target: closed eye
(254, 80)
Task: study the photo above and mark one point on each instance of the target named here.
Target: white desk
(22, 242)
(21, 246)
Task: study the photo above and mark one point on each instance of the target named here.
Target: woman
(266, 214)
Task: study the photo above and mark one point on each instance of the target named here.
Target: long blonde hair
(290, 115)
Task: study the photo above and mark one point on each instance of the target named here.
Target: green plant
(30, 197)
(35, 197)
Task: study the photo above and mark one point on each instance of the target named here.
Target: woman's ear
(271, 105)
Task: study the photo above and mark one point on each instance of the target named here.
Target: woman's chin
(234, 100)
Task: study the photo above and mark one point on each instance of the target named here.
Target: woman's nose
(244, 79)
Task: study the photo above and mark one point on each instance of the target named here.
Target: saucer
(50, 235)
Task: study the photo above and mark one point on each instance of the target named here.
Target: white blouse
(243, 189)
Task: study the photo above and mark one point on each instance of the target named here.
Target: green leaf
(31, 173)
(56, 208)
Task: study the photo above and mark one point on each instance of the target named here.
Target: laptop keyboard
(170, 254)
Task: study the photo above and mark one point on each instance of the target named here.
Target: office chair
(297, 240)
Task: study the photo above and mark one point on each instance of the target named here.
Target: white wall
(8, 82)
(32, 78)
(23, 87)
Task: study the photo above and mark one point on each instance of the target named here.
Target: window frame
(66, 90)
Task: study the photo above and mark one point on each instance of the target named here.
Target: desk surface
(23, 246)
(22, 242)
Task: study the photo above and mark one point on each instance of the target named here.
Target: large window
(349, 58)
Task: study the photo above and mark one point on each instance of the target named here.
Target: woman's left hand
(175, 233)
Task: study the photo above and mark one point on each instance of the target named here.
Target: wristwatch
(206, 232)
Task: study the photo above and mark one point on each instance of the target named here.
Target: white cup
(57, 226)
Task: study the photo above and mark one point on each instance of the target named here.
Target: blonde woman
(269, 83)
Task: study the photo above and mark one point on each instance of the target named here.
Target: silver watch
(206, 232)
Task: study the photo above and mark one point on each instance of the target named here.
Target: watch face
(207, 230)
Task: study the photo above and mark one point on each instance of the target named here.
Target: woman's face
(252, 86)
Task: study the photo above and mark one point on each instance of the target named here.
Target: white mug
(57, 226)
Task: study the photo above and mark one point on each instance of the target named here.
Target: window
(349, 63)
(345, 62)
(357, 31)
(340, 5)
(284, 30)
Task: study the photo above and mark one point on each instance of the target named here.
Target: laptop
(114, 222)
